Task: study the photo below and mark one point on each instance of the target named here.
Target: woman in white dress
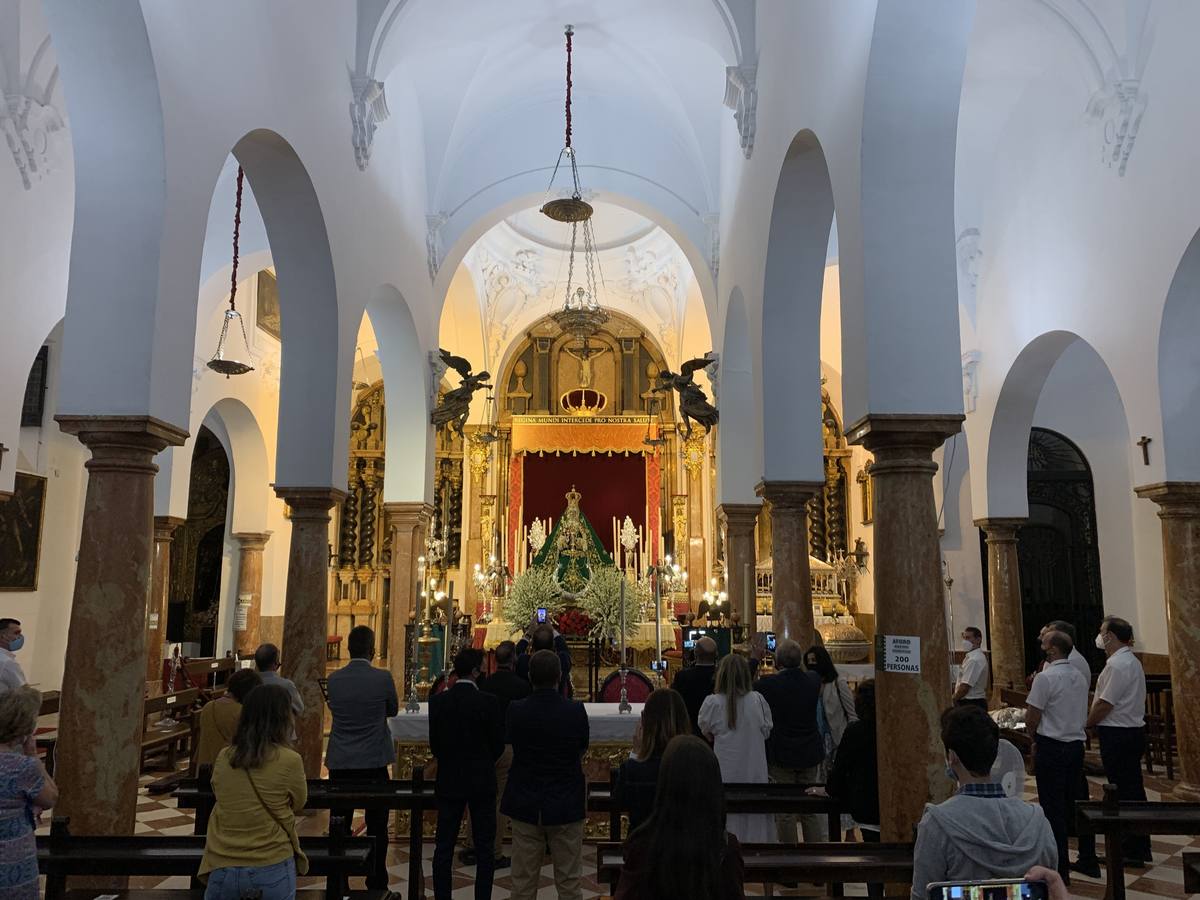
(738, 722)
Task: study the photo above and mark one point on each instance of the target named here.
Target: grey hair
(788, 654)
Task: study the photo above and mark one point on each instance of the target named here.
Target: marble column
(1006, 629)
(305, 614)
(696, 562)
(250, 580)
(791, 579)
(909, 601)
(1179, 509)
(160, 586)
(100, 721)
(738, 520)
(409, 522)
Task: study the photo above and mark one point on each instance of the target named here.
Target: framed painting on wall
(21, 533)
(266, 309)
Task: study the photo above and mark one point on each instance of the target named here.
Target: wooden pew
(198, 894)
(61, 855)
(774, 863)
(210, 674)
(1191, 872)
(1160, 724)
(1115, 819)
(47, 742)
(177, 737)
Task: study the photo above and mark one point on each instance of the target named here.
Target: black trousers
(483, 833)
(981, 702)
(1087, 842)
(1121, 751)
(1056, 768)
(377, 821)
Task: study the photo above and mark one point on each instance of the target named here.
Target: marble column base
(409, 524)
(1006, 626)
(908, 602)
(305, 616)
(739, 521)
(791, 578)
(100, 720)
(1179, 509)
(250, 581)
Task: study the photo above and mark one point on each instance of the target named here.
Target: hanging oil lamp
(220, 362)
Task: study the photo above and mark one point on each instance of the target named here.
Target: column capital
(788, 494)
(739, 515)
(401, 513)
(1174, 498)
(252, 540)
(164, 527)
(309, 502)
(122, 443)
(920, 432)
(999, 529)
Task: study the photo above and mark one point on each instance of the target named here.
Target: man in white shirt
(11, 640)
(1118, 715)
(973, 679)
(1055, 714)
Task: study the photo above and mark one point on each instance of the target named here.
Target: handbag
(301, 859)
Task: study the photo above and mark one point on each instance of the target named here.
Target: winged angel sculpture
(455, 405)
(693, 402)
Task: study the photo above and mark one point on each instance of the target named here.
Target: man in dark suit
(361, 699)
(466, 737)
(545, 638)
(696, 682)
(545, 794)
(795, 749)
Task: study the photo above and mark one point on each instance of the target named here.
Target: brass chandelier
(221, 362)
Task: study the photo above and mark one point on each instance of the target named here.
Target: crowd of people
(509, 748)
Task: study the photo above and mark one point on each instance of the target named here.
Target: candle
(750, 606)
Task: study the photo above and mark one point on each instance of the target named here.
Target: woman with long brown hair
(259, 784)
(664, 717)
(683, 849)
(738, 721)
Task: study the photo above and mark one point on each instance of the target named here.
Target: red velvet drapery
(612, 486)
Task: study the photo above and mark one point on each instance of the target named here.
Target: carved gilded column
(246, 635)
(694, 458)
(409, 522)
(909, 602)
(305, 616)
(1179, 509)
(738, 521)
(160, 586)
(1006, 627)
(100, 721)
(791, 579)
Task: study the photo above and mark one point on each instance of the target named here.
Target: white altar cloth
(606, 724)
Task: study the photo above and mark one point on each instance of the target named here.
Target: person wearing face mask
(1054, 715)
(1118, 716)
(979, 833)
(973, 679)
(11, 640)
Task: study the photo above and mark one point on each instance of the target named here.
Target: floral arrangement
(573, 623)
(530, 591)
(601, 600)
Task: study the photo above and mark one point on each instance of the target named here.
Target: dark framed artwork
(266, 310)
(21, 533)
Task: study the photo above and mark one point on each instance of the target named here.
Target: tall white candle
(750, 591)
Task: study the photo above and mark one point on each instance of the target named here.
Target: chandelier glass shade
(221, 361)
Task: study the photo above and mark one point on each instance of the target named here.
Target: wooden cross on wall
(1144, 443)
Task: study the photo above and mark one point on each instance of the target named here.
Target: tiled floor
(1164, 879)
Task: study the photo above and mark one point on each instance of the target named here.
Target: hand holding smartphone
(999, 889)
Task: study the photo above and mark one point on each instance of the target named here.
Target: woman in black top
(664, 716)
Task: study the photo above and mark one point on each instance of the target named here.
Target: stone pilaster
(250, 580)
(305, 615)
(1006, 628)
(409, 522)
(100, 721)
(1179, 509)
(791, 578)
(160, 586)
(738, 520)
(909, 602)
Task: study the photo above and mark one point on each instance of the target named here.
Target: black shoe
(1088, 867)
(503, 862)
(1136, 863)
(467, 856)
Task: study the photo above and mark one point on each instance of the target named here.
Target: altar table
(606, 724)
(641, 640)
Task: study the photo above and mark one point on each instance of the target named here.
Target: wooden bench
(834, 864)
(1160, 724)
(47, 738)
(175, 738)
(210, 674)
(1115, 819)
(1191, 872)
(197, 894)
(60, 855)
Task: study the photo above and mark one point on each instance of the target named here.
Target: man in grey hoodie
(978, 833)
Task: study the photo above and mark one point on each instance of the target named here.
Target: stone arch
(739, 451)
(1179, 369)
(797, 245)
(236, 427)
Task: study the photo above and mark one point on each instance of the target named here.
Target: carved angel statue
(693, 402)
(455, 405)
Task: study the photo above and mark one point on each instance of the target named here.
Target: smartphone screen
(541, 614)
(770, 642)
(689, 645)
(1016, 889)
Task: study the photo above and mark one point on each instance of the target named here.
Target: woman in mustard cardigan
(259, 784)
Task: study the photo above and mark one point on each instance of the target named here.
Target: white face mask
(1100, 642)
(968, 646)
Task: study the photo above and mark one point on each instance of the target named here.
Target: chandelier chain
(569, 32)
(237, 230)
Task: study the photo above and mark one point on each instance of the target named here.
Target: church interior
(853, 325)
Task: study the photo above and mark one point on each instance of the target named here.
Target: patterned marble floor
(159, 815)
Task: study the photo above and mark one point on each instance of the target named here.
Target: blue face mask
(951, 774)
(16, 643)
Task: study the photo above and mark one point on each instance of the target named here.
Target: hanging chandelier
(581, 314)
(220, 362)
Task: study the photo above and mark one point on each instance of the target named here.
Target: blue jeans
(277, 882)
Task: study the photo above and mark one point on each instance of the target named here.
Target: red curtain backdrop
(610, 485)
(515, 487)
(653, 499)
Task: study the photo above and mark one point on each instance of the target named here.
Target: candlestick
(658, 628)
(750, 607)
(623, 706)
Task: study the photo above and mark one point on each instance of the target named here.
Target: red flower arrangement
(573, 623)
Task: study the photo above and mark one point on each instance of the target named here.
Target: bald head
(706, 651)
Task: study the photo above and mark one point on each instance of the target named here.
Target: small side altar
(832, 616)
